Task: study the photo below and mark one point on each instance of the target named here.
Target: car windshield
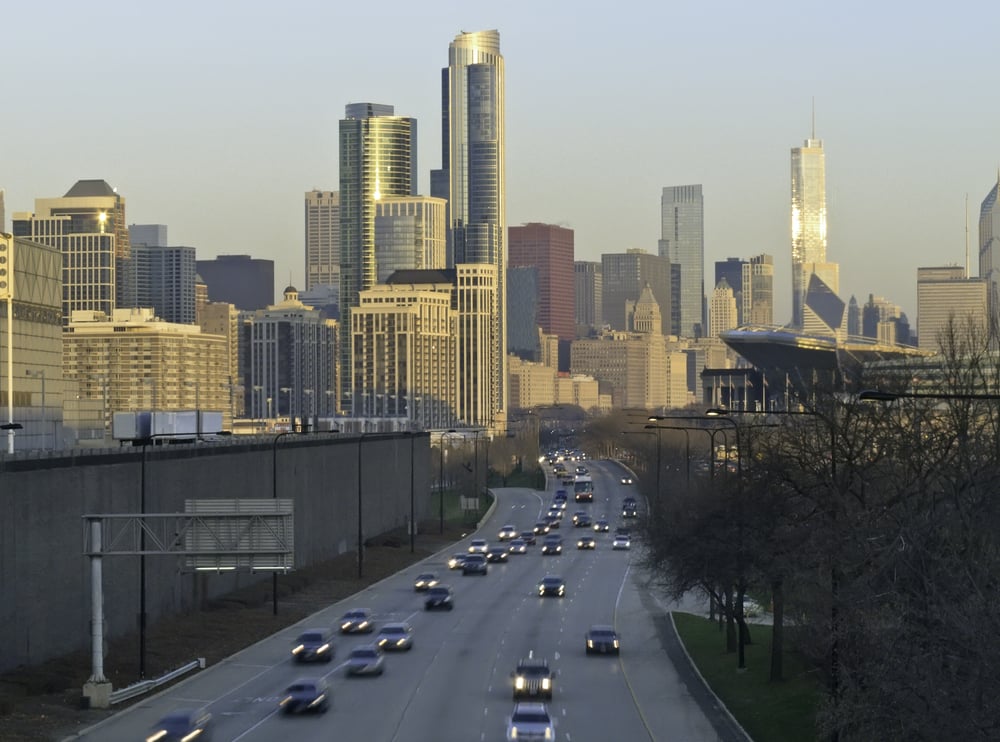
(552, 581)
(602, 634)
(394, 630)
(364, 654)
(311, 636)
(439, 591)
(354, 614)
(531, 717)
(177, 720)
(533, 670)
(426, 577)
(302, 688)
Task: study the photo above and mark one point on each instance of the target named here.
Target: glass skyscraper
(682, 242)
(808, 219)
(989, 246)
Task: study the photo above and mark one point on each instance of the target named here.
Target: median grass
(784, 711)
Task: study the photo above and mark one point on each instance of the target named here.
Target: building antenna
(966, 235)
(814, 117)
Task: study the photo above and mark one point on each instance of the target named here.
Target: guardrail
(144, 686)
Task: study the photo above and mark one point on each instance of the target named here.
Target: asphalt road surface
(455, 685)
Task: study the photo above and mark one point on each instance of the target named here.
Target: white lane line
(244, 734)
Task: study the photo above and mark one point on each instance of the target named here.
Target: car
(533, 678)
(528, 537)
(425, 581)
(554, 512)
(630, 511)
(568, 481)
(475, 564)
(395, 637)
(751, 608)
(551, 585)
(582, 470)
(552, 544)
(439, 596)
(552, 521)
(456, 561)
(602, 639)
(559, 505)
(183, 724)
(507, 532)
(518, 546)
(582, 520)
(305, 695)
(478, 546)
(601, 525)
(357, 621)
(628, 480)
(530, 721)
(497, 554)
(541, 528)
(368, 659)
(586, 542)
(314, 645)
(561, 496)
(621, 543)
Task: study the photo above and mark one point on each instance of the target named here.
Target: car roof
(603, 628)
(396, 626)
(552, 578)
(530, 707)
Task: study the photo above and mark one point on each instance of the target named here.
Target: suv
(533, 678)
(475, 564)
(552, 544)
(530, 721)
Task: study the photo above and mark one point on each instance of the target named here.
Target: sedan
(551, 585)
(367, 659)
(425, 581)
(530, 721)
(602, 640)
(356, 621)
(439, 596)
(518, 546)
(602, 526)
(621, 543)
(528, 537)
(306, 695)
(395, 637)
(506, 533)
(552, 521)
(478, 546)
(313, 645)
(475, 564)
(541, 528)
(457, 561)
(182, 724)
(583, 520)
(586, 542)
(497, 554)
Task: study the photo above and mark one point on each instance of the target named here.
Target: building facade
(223, 320)
(722, 314)
(523, 312)
(808, 218)
(549, 248)
(410, 234)
(246, 283)
(946, 296)
(623, 276)
(682, 243)
(164, 279)
(322, 230)
(588, 290)
(756, 300)
(989, 246)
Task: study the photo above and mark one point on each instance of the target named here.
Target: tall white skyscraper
(682, 242)
(322, 215)
(472, 179)
(808, 218)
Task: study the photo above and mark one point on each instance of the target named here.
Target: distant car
(439, 596)
(395, 637)
(586, 542)
(478, 546)
(621, 543)
(533, 678)
(628, 480)
(475, 564)
(357, 621)
(583, 520)
(552, 521)
(506, 533)
(530, 721)
(314, 645)
(552, 544)
(518, 546)
(541, 528)
(751, 608)
(183, 724)
(497, 554)
(554, 512)
(551, 585)
(456, 561)
(582, 470)
(630, 511)
(559, 505)
(602, 639)
(561, 496)
(601, 526)
(368, 659)
(305, 695)
(425, 581)
(528, 537)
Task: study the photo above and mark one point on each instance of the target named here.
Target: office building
(623, 276)
(588, 289)
(88, 227)
(731, 269)
(472, 179)
(164, 279)
(808, 219)
(632, 367)
(378, 159)
(682, 243)
(643, 315)
(217, 318)
(549, 248)
(246, 283)
(853, 317)
(153, 235)
(756, 296)
(322, 230)
(989, 247)
(410, 234)
(948, 298)
(722, 314)
(523, 312)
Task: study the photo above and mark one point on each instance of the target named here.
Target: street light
(41, 375)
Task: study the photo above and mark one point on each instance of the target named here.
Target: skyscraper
(246, 283)
(945, 295)
(472, 179)
(409, 234)
(164, 279)
(378, 159)
(989, 247)
(322, 215)
(623, 277)
(682, 242)
(808, 218)
(588, 290)
(757, 291)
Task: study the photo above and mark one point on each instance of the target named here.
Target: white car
(621, 542)
(627, 480)
(507, 532)
(530, 721)
(478, 546)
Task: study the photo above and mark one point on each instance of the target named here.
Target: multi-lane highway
(455, 684)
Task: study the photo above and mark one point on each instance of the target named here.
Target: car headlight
(283, 702)
(193, 736)
(541, 590)
(616, 644)
(362, 625)
(400, 642)
(322, 649)
(562, 590)
(158, 735)
(590, 643)
(519, 683)
(383, 642)
(513, 732)
(346, 625)
(548, 732)
(546, 683)
(296, 650)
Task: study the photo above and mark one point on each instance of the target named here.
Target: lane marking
(244, 734)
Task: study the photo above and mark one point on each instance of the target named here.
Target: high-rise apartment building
(989, 246)
(223, 320)
(322, 229)
(88, 226)
(757, 291)
(623, 277)
(409, 234)
(945, 295)
(682, 243)
(722, 314)
(808, 219)
(246, 283)
(588, 289)
(550, 249)
(378, 159)
(472, 179)
(164, 279)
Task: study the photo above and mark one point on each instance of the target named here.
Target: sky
(215, 118)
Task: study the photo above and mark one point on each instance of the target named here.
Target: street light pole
(687, 446)
(41, 375)
(413, 524)
(274, 496)
(444, 435)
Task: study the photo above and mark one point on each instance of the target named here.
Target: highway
(454, 685)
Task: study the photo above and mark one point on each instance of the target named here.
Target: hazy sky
(214, 118)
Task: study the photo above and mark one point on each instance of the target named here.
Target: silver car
(367, 659)
(530, 721)
(395, 637)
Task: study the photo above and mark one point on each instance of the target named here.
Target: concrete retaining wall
(45, 579)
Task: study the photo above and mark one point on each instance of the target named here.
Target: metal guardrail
(144, 686)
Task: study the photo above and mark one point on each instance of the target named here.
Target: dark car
(533, 679)
(528, 537)
(551, 585)
(456, 561)
(425, 581)
(541, 528)
(305, 695)
(475, 564)
(356, 621)
(314, 645)
(552, 521)
(586, 542)
(601, 526)
(582, 520)
(439, 596)
(497, 554)
(602, 640)
(561, 496)
(630, 510)
(368, 659)
(183, 724)
(552, 544)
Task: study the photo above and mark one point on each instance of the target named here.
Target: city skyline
(906, 130)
